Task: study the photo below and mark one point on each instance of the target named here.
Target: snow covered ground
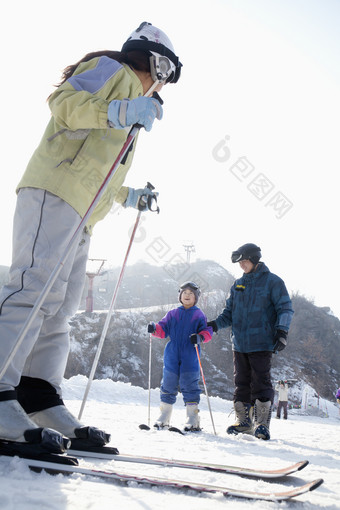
(119, 408)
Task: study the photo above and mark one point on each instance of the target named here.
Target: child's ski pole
(205, 387)
(149, 385)
(143, 426)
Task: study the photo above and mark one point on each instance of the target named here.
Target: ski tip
(143, 426)
(303, 464)
(316, 484)
(175, 429)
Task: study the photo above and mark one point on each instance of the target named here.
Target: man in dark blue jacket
(259, 310)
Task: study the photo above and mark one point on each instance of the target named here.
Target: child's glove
(280, 340)
(151, 327)
(196, 339)
(142, 110)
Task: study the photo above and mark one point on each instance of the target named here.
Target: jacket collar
(261, 269)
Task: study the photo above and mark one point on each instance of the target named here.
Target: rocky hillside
(146, 285)
(312, 355)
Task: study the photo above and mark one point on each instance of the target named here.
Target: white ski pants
(43, 226)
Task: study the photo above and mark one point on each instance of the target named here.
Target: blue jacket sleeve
(283, 305)
(225, 318)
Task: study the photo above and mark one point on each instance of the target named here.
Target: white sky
(262, 75)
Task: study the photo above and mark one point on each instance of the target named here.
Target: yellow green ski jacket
(78, 147)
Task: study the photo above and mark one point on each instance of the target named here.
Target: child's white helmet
(165, 65)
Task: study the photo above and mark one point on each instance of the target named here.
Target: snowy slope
(120, 408)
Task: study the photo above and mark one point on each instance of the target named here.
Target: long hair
(138, 60)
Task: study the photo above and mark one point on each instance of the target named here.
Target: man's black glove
(151, 327)
(196, 339)
(213, 325)
(280, 340)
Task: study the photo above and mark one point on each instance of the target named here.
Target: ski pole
(109, 314)
(149, 399)
(205, 387)
(60, 264)
(143, 426)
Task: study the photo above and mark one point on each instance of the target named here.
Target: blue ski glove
(138, 198)
(196, 339)
(142, 110)
(151, 327)
(280, 340)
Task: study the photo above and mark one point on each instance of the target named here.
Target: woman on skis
(92, 110)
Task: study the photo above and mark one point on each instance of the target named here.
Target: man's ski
(54, 468)
(105, 453)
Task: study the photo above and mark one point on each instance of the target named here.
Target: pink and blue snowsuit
(181, 368)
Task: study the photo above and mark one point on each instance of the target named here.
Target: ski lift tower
(94, 270)
(189, 248)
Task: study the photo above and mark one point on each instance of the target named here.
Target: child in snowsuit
(92, 110)
(259, 310)
(186, 326)
(337, 396)
(282, 387)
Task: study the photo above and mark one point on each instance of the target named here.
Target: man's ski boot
(244, 419)
(163, 420)
(192, 423)
(262, 416)
(18, 429)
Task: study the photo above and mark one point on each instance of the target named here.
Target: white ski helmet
(164, 64)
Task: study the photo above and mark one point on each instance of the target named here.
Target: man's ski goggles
(236, 256)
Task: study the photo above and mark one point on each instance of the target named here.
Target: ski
(143, 426)
(54, 468)
(34, 451)
(106, 453)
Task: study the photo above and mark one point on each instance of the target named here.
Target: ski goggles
(236, 256)
(163, 70)
(159, 51)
